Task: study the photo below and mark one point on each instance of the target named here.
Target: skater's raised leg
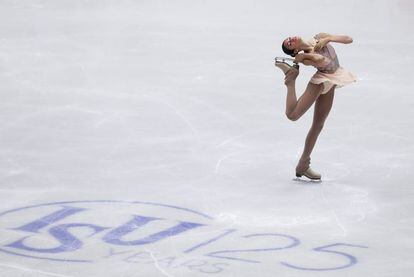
(295, 108)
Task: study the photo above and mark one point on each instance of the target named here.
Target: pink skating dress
(330, 73)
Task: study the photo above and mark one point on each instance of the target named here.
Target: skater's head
(291, 46)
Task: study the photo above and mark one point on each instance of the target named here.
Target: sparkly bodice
(331, 62)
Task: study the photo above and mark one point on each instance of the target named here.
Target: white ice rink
(148, 138)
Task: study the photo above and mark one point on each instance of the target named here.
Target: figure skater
(317, 52)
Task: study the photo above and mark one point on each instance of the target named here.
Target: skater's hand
(291, 76)
(321, 44)
(299, 57)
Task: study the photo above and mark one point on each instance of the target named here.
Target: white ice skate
(303, 169)
(309, 173)
(283, 63)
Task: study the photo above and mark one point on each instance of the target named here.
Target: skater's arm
(309, 59)
(335, 38)
(325, 38)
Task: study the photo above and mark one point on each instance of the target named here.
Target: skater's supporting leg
(322, 108)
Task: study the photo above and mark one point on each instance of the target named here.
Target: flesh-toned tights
(295, 108)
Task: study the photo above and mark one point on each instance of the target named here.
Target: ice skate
(283, 64)
(309, 173)
(304, 169)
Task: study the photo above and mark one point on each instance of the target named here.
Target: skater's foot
(311, 174)
(303, 169)
(283, 64)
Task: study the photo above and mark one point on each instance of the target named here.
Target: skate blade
(283, 59)
(288, 61)
(307, 181)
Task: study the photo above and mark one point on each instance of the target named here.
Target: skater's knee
(292, 116)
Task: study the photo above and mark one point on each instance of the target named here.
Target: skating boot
(303, 169)
(283, 64)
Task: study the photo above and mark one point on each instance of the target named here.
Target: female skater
(317, 52)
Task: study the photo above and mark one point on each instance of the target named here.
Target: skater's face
(291, 43)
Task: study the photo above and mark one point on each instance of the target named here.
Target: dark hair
(288, 51)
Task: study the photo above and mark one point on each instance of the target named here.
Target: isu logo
(74, 231)
(145, 233)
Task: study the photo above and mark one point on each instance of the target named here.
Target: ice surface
(148, 138)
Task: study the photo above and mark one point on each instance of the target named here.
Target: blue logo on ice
(145, 233)
(67, 231)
